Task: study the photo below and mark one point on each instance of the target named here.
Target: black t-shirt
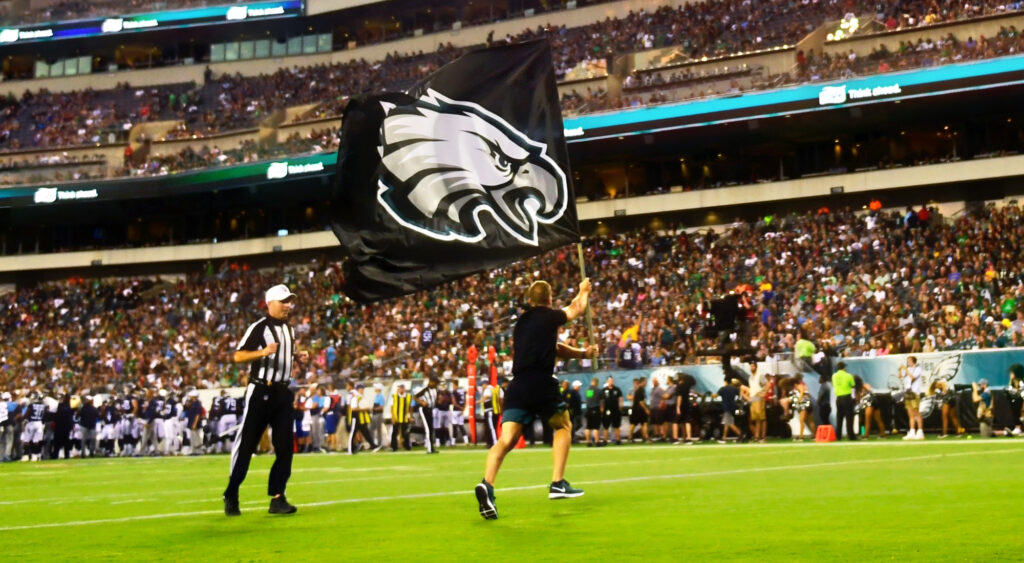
(611, 397)
(534, 343)
(728, 394)
(639, 396)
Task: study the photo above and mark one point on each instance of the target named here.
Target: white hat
(577, 384)
(5, 396)
(162, 392)
(279, 292)
(378, 386)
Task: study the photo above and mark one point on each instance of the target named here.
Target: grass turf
(869, 500)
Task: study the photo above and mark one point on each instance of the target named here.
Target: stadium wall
(958, 367)
(168, 254)
(819, 186)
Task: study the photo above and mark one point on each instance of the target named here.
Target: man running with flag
(534, 390)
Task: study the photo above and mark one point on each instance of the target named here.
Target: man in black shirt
(728, 394)
(63, 424)
(611, 411)
(88, 416)
(193, 422)
(639, 414)
(534, 390)
(571, 396)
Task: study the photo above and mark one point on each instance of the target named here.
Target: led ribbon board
(224, 177)
(112, 25)
(946, 79)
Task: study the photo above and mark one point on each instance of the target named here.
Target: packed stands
(858, 283)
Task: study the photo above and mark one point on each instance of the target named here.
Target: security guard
(401, 416)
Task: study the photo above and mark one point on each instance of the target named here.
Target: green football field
(936, 500)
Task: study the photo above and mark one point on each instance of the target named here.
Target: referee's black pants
(493, 423)
(427, 418)
(844, 409)
(265, 405)
(355, 426)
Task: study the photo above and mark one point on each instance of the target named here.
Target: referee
(426, 400)
(268, 346)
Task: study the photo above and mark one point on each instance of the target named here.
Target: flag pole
(590, 319)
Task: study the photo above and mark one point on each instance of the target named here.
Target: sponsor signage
(841, 94)
(12, 35)
(217, 178)
(53, 195)
(279, 170)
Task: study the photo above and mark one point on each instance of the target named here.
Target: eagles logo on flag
(465, 172)
(447, 162)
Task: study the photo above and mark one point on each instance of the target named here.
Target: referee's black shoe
(279, 505)
(231, 506)
(485, 497)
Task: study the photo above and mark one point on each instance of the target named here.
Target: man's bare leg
(561, 441)
(510, 433)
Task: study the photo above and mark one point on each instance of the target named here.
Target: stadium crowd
(860, 285)
(233, 102)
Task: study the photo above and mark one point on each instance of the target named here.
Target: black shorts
(657, 417)
(611, 419)
(685, 411)
(637, 416)
(522, 402)
(669, 415)
(593, 418)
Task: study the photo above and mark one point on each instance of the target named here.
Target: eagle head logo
(447, 163)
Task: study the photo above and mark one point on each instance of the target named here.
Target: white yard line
(791, 467)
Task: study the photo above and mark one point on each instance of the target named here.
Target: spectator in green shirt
(804, 351)
(842, 383)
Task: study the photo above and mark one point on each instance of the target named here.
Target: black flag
(467, 171)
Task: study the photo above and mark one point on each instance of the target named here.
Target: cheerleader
(800, 401)
(787, 385)
(1015, 391)
(941, 390)
(866, 407)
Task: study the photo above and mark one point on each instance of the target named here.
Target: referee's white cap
(279, 292)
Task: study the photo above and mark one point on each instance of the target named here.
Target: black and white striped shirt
(277, 367)
(427, 397)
